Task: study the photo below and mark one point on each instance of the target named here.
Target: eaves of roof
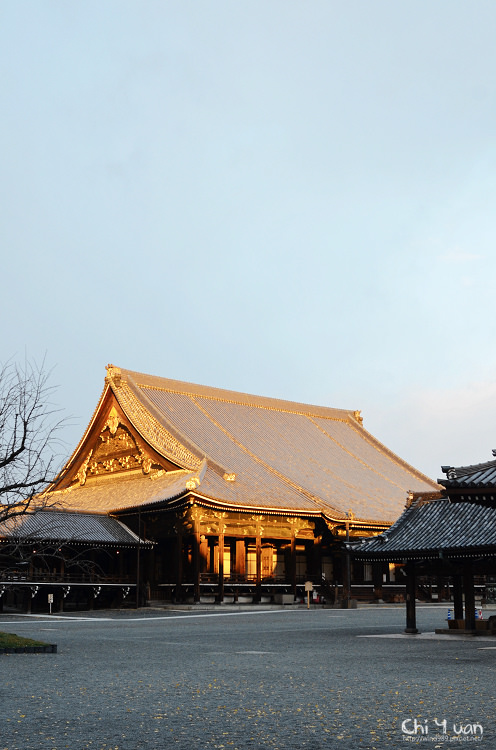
(476, 475)
(436, 529)
(69, 528)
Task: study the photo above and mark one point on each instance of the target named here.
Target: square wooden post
(221, 568)
(179, 566)
(411, 624)
(458, 596)
(196, 566)
(468, 586)
(293, 562)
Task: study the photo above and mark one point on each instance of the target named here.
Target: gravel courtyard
(220, 678)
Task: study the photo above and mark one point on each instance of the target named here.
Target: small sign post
(308, 589)
(50, 601)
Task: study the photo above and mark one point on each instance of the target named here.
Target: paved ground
(228, 679)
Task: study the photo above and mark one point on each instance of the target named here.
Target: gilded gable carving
(116, 451)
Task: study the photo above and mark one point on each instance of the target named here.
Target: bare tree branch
(29, 427)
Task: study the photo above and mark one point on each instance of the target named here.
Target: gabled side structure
(447, 535)
(240, 495)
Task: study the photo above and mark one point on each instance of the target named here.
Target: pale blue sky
(294, 199)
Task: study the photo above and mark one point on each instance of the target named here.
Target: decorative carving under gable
(81, 475)
(116, 451)
(113, 421)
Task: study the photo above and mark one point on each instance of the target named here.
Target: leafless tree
(29, 428)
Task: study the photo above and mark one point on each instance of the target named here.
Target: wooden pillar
(152, 564)
(240, 559)
(377, 580)
(258, 566)
(346, 578)
(347, 567)
(196, 564)
(240, 563)
(179, 565)
(468, 586)
(411, 624)
(232, 560)
(440, 588)
(211, 556)
(59, 592)
(293, 562)
(317, 559)
(138, 563)
(458, 596)
(203, 554)
(221, 568)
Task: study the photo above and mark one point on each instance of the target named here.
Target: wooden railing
(13, 576)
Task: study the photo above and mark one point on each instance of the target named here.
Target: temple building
(219, 495)
(448, 537)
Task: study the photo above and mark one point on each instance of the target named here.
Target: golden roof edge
(220, 394)
(63, 471)
(123, 386)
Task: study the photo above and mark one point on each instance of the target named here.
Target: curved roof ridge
(236, 397)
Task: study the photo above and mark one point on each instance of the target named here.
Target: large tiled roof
(434, 529)
(68, 528)
(261, 452)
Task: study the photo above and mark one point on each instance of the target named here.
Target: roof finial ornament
(114, 375)
(358, 416)
(193, 483)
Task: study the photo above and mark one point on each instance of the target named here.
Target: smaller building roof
(69, 528)
(438, 528)
(475, 476)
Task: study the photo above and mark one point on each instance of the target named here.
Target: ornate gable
(112, 447)
(116, 451)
